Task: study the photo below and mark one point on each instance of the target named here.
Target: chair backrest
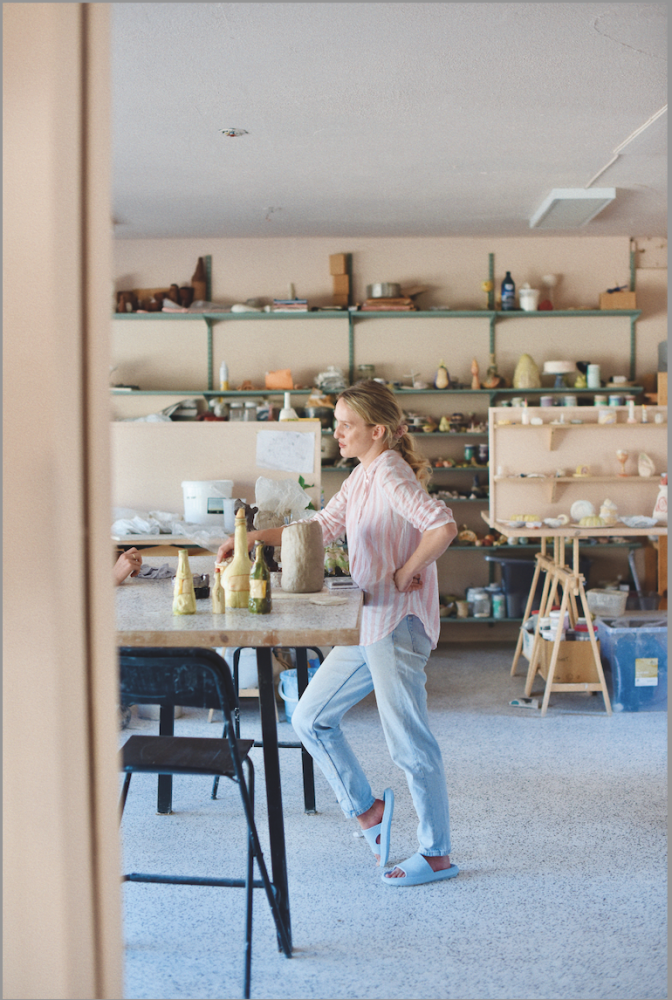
(195, 677)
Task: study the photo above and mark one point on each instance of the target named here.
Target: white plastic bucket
(288, 687)
(203, 501)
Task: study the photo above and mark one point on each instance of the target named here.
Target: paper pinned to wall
(286, 451)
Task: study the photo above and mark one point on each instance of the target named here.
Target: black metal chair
(307, 760)
(199, 678)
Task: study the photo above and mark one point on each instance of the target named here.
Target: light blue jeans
(394, 668)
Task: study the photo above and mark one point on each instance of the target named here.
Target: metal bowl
(383, 290)
(325, 414)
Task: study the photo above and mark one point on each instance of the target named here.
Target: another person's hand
(128, 564)
(406, 581)
(225, 550)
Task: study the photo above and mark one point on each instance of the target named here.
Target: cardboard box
(341, 284)
(338, 263)
(575, 660)
(575, 665)
(340, 299)
(618, 300)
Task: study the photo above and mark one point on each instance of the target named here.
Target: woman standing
(395, 532)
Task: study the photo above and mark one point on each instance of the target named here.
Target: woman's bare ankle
(372, 816)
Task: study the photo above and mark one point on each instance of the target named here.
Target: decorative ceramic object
(645, 465)
(582, 470)
(184, 598)
(609, 512)
(591, 521)
(581, 508)
(622, 457)
(632, 419)
(441, 378)
(218, 594)
(526, 375)
(302, 558)
(487, 287)
(660, 507)
(553, 522)
(563, 518)
(444, 425)
(475, 380)
(550, 281)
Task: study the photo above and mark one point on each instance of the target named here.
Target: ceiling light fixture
(233, 132)
(569, 208)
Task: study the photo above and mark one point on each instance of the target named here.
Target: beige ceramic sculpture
(526, 375)
(184, 598)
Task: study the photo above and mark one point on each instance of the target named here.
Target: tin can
(570, 400)
(468, 452)
(483, 454)
(546, 401)
(498, 606)
(616, 400)
(600, 401)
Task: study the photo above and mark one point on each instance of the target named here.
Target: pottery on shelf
(442, 378)
(581, 508)
(609, 512)
(622, 455)
(526, 375)
(645, 465)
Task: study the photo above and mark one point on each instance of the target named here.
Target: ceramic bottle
(259, 602)
(236, 576)
(184, 598)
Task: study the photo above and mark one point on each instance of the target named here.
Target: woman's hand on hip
(406, 581)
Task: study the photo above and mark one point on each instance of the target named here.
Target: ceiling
(384, 119)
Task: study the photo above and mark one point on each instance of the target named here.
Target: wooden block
(575, 665)
(618, 300)
(338, 263)
(341, 284)
(662, 388)
(662, 565)
(340, 300)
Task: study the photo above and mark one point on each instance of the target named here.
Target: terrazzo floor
(558, 827)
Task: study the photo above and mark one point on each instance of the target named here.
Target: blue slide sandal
(383, 848)
(418, 871)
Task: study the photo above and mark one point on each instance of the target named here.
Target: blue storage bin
(288, 687)
(634, 657)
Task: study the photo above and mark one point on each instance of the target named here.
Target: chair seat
(181, 755)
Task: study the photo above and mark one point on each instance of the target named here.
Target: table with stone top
(144, 617)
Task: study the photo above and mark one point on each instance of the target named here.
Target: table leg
(556, 650)
(164, 795)
(276, 826)
(306, 759)
(534, 655)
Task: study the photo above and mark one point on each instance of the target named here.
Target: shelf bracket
(351, 347)
(633, 340)
(209, 323)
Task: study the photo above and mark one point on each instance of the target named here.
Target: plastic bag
(280, 498)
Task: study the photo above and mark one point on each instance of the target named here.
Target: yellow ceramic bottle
(218, 595)
(184, 598)
(236, 576)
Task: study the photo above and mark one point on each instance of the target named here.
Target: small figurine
(184, 598)
(487, 287)
(442, 378)
(218, 595)
(622, 457)
(475, 380)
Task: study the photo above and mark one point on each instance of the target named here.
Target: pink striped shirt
(384, 511)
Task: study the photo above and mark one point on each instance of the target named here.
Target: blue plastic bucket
(288, 687)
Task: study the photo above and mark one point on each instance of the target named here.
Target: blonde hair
(375, 404)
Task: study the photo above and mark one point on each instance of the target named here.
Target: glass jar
(236, 411)
(250, 409)
(481, 603)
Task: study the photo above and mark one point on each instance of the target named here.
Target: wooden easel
(570, 581)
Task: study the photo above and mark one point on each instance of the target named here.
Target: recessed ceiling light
(567, 208)
(233, 132)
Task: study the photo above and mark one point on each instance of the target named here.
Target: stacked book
(290, 305)
(401, 304)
